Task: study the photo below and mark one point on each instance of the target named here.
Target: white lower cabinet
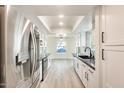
(113, 69)
(91, 78)
(76, 65)
(85, 73)
(49, 61)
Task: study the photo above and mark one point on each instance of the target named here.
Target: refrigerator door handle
(34, 45)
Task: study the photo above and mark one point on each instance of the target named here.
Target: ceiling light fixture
(61, 16)
(61, 23)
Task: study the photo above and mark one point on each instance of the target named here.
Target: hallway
(61, 75)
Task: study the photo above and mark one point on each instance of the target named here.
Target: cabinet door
(113, 22)
(78, 68)
(84, 74)
(85, 78)
(91, 78)
(81, 69)
(75, 64)
(113, 68)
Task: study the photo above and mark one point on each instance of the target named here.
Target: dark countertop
(89, 62)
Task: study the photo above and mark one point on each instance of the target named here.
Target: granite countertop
(89, 62)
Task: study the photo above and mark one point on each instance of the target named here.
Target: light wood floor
(61, 75)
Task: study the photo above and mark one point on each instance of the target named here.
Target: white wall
(61, 30)
(52, 44)
(84, 26)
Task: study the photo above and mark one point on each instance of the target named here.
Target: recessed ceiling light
(61, 16)
(61, 23)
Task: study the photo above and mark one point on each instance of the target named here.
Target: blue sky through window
(61, 46)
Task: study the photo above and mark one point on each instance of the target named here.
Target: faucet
(90, 51)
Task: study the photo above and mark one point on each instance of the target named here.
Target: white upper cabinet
(113, 25)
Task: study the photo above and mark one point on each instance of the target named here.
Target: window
(89, 40)
(61, 46)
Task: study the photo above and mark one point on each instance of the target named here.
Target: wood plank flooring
(61, 75)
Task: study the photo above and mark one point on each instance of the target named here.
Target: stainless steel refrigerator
(19, 50)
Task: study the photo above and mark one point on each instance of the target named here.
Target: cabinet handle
(103, 54)
(102, 37)
(90, 71)
(87, 77)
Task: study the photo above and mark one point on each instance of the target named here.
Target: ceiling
(49, 15)
(53, 25)
(55, 10)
